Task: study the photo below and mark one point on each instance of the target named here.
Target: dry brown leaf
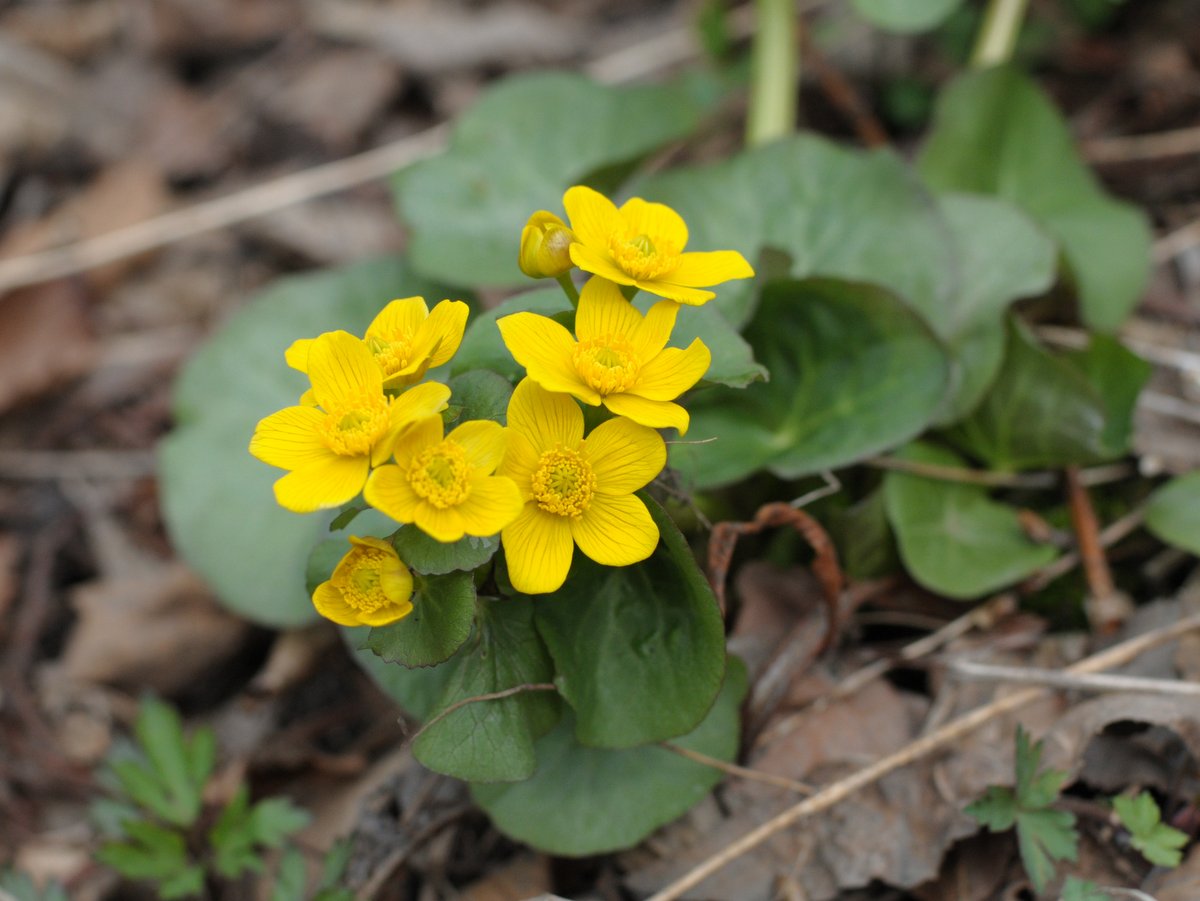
(189, 136)
(159, 629)
(525, 876)
(123, 194)
(973, 871)
(10, 558)
(45, 340)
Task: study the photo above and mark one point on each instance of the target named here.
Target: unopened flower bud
(545, 246)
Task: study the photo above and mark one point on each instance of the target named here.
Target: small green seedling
(1044, 835)
(1082, 890)
(160, 830)
(17, 886)
(1155, 840)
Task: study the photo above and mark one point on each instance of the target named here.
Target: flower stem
(998, 33)
(568, 287)
(774, 70)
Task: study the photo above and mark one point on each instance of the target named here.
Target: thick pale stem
(998, 33)
(773, 81)
(568, 287)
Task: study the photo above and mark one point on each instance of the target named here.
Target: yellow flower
(575, 491)
(406, 339)
(330, 447)
(621, 359)
(371, 586)
(545, 246)
(445, 485)
(641, 244)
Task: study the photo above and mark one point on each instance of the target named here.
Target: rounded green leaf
(1047, 409)
(995, 132)
(836, 213)
(217, 499)
(853, 372)
(427, 555)
(441, 619)
(479, 394)
(639, 650)
(517, 150)
(953, 538)
(493, 740)
(906, 16)
(1173, 512)
(584, 801)
(415, 690)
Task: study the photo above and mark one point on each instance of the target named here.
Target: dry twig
(742, 772)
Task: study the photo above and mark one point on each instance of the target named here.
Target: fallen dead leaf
(46, 340)
(123, 194)
(974, 870)
(10, 558)
(523, 877)
(159, 629)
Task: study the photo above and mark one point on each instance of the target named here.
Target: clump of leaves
(1155, 840)
(1044, 835)
(160, 830)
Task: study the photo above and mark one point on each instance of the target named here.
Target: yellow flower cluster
(370, 424)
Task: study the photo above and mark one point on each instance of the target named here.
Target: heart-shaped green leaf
(217, 499)
(441, 618)
(953, 538)
(517, 150)
(1173, 512)
(853, 372)
(995, 132)
(584, 801)
(639, 650)
(493, 740)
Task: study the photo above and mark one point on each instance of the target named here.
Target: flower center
(563, 482)
(641, 256)
(361, 584)
(352, 427)
(608, 364)
(441, 475)
(392, 353)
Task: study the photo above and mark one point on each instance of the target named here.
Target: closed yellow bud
(545, 246)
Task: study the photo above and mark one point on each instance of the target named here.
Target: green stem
(568, 287)
(774, 71)
(998, 33)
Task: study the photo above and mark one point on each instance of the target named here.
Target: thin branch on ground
(1128, 148)
(742, 772)
(33, 465)
(1109, 535)
(925, 745)
(1049, 678)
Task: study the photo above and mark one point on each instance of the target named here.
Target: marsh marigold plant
(575, 491)
(641, 244)
(620, 359)
(329, 447)
(445, 484)
(370, 586)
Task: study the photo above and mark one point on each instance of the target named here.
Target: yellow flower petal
(520, 460)
(418, 402)
(655, 329)
(388, 491)
(342, 369)
(694, 297)
(297, 354)
(327, 483)
(598, 262)
(421, 434)
(657, 414)
(593, 216)
(484, 441)
(699, 270)
(493, 503)
(538, 548)
(603, 310)
(616, 531)
(386, 615)
(656, 221)
(290, 438)
(400, 318)
(447, 322)
(330, 604)
(544, 418)
(673, 372)
(443, 524)
(547, 351)
(624, 456)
